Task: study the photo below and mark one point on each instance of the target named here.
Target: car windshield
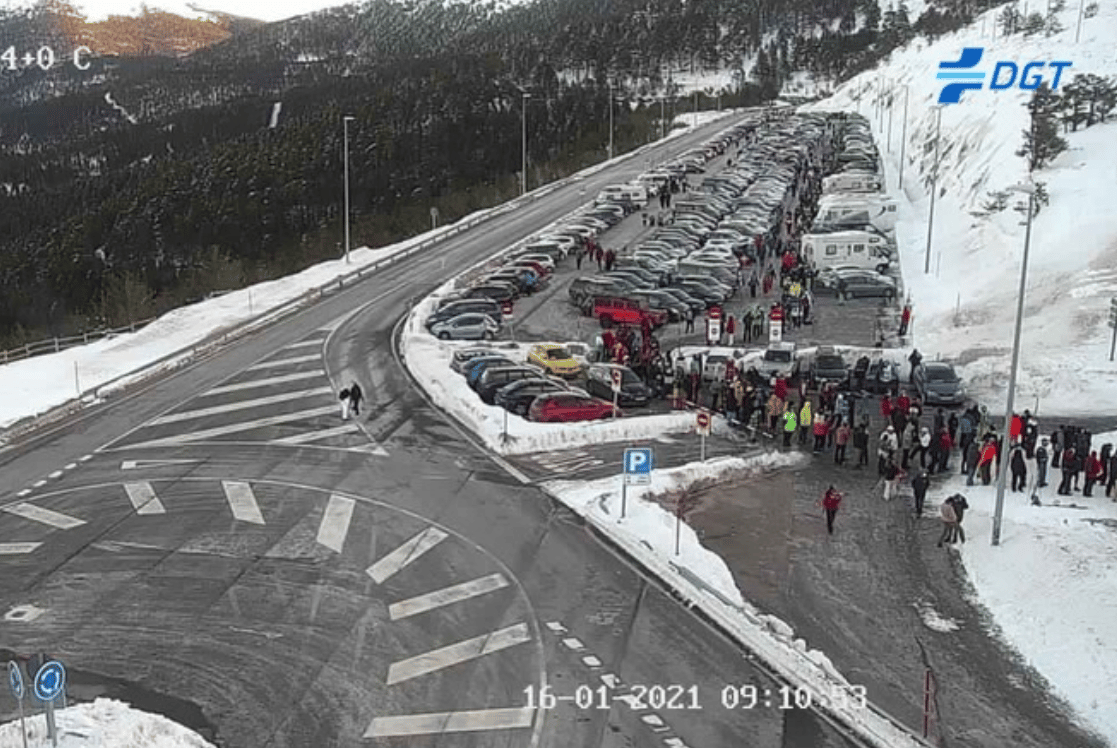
(781, 357)
(830, 362)
(557, 354)
(941, 375)
(629, 377)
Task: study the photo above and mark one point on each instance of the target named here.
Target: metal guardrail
(55, 345)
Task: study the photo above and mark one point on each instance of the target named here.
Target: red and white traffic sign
(776, 313)
(703, 422)
(506, 308)
(617, 375)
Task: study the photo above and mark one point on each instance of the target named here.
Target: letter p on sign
(637, 461)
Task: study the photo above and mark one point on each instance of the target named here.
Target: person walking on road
(1019, 470)
(789, 424)
(1041, 463)
(915, 359)
(841, 439)
(775, 408)
(861, 444)
(960, 506)
(805, 421)
(355, 397)
(343, 396)
(949, 521)
(690, 320)
(893, 475)
(831, 500)
(1093, 473)
(821, 429)
(919, 485)
(905, 320)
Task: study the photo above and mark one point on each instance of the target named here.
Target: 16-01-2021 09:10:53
(677, 697)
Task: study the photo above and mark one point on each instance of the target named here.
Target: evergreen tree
(1009, 20)
(872, 15)
(1034, 24)
(1041, 140)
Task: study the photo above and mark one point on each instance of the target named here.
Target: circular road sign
(617, 375)
(49, 681)
(506, 308)
(15, 680)
(703, 421)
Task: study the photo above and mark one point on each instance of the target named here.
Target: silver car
(466, 327)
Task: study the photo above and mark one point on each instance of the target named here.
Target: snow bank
(103, 724)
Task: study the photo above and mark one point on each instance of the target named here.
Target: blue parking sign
(638, 461)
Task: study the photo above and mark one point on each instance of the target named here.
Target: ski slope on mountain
(965, 307)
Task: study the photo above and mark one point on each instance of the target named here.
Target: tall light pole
(696, 109)
(890, 108)
(523, 140)
(903, 139)
(610, 118)
(934, 190)
(1078, 26)
(1006, 434)
(662, 122)
(345, 127)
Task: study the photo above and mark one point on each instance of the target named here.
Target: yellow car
(554, 359)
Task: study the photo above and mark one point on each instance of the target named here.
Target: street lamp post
(934, 191)
(345, 127)
(1007, 435)
(903, 139)
(610, 119)
(523, 140)
(662, 122)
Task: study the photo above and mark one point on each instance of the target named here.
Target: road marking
(233, 428)
(44, 516)
(304, 344)
(147, 464)
(674, 743)
(312, 436)
(71, 466)
(372, 449)
(654, 721)
(454, 654)
(56, 474)
(282, 379)
(284, 362)
(15, 549)
(242, 501)
(85, 458)
(446, 596)
(574, 644)
(405, 554)
(335, 522)
(23, 493)
(438, 723)
(239, 405)
(556, 627)
(591, 662)
(39, 484)
(143, 498)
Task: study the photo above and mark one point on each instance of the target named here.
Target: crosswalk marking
(253, 384)
(240, 405)
(143, 498)
(242, 501)
(437, 723)
(446, 596)
(453, 654)
(313, 436)
(15, 549)
(304, 344)
(335, 522)
(44, 516)
(233, 428)
(285, 362)
(405, 554)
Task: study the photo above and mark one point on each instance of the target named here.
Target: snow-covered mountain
(964, 309)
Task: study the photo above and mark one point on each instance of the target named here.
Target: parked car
(581, 352)
(881, 376)
(496, 377)
(570, 406)
(461, 358)
(827, 365)
(616, 310)
(583, 289)
(868, 284)
(517, 397)
(475, 368)
(599, 382)
(779, 361)
(554, 359)
(471, 326)
(495, 290)
(938, 384)
(466, 306)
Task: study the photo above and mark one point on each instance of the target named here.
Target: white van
(637, 194)
(846, 248)
(853, 181)
(879, 210)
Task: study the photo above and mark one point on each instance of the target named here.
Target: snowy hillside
(964, 309)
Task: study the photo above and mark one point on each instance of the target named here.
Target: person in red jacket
(1015, 426)
(1093, 472)
(831, 500)
(780, 388)
(903, 402)
(945, 445)
(886, 407)
(985, 462)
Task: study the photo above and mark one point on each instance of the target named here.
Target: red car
(540, 269)
(570, 406)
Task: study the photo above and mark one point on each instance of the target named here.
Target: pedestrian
(1093, 473)
(1077, 462)
(820, 428)
(886, 448)
(1041, 463)
(893, 475)
(969, 461)
(985, 462)
(924, 446)
(775, 408)
(831, 500)
(1019, 470)
(1111, 483)
(343, 396)
(1057, 446)
(909, 444)
(805, 421)
(861, 444)
(753, 283)
(915, 359)
(952, 427)
(789, 424)
(1106, 453)
(690, 320)
(949, 521)
(919, 485)
(905, 319)
(841, 439)
(946, 446)
(355, 397)
(960, 506)
(731, 329)
(1068, 469)
(885, 407)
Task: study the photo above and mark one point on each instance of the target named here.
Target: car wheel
(443, 335)
(488, 335)
(846, 295)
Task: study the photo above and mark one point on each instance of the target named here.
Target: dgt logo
(971, 56)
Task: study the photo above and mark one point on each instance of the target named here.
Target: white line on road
(312, 436)
(405, 554)
(242, 501)
(233, 428)
(240, 405)
(56, 474)
(85, 458)
(148, 464)
(446, 596)
(285, 362)
(23, 493)
(282, 379)
(335, 522)
(454, 654)
(39, 483)
(304, 344)
(15, 549)
(143, 498)
(44, 516)
(438, 723)
(71, 466)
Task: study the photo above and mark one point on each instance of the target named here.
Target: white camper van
(635, 193)
(852, 181)
(846, 248)
(880, 210)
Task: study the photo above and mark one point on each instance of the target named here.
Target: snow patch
(103, 724)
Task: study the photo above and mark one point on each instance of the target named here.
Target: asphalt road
(218, 545)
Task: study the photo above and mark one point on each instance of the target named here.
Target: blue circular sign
(49, 681)
(15, 680)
